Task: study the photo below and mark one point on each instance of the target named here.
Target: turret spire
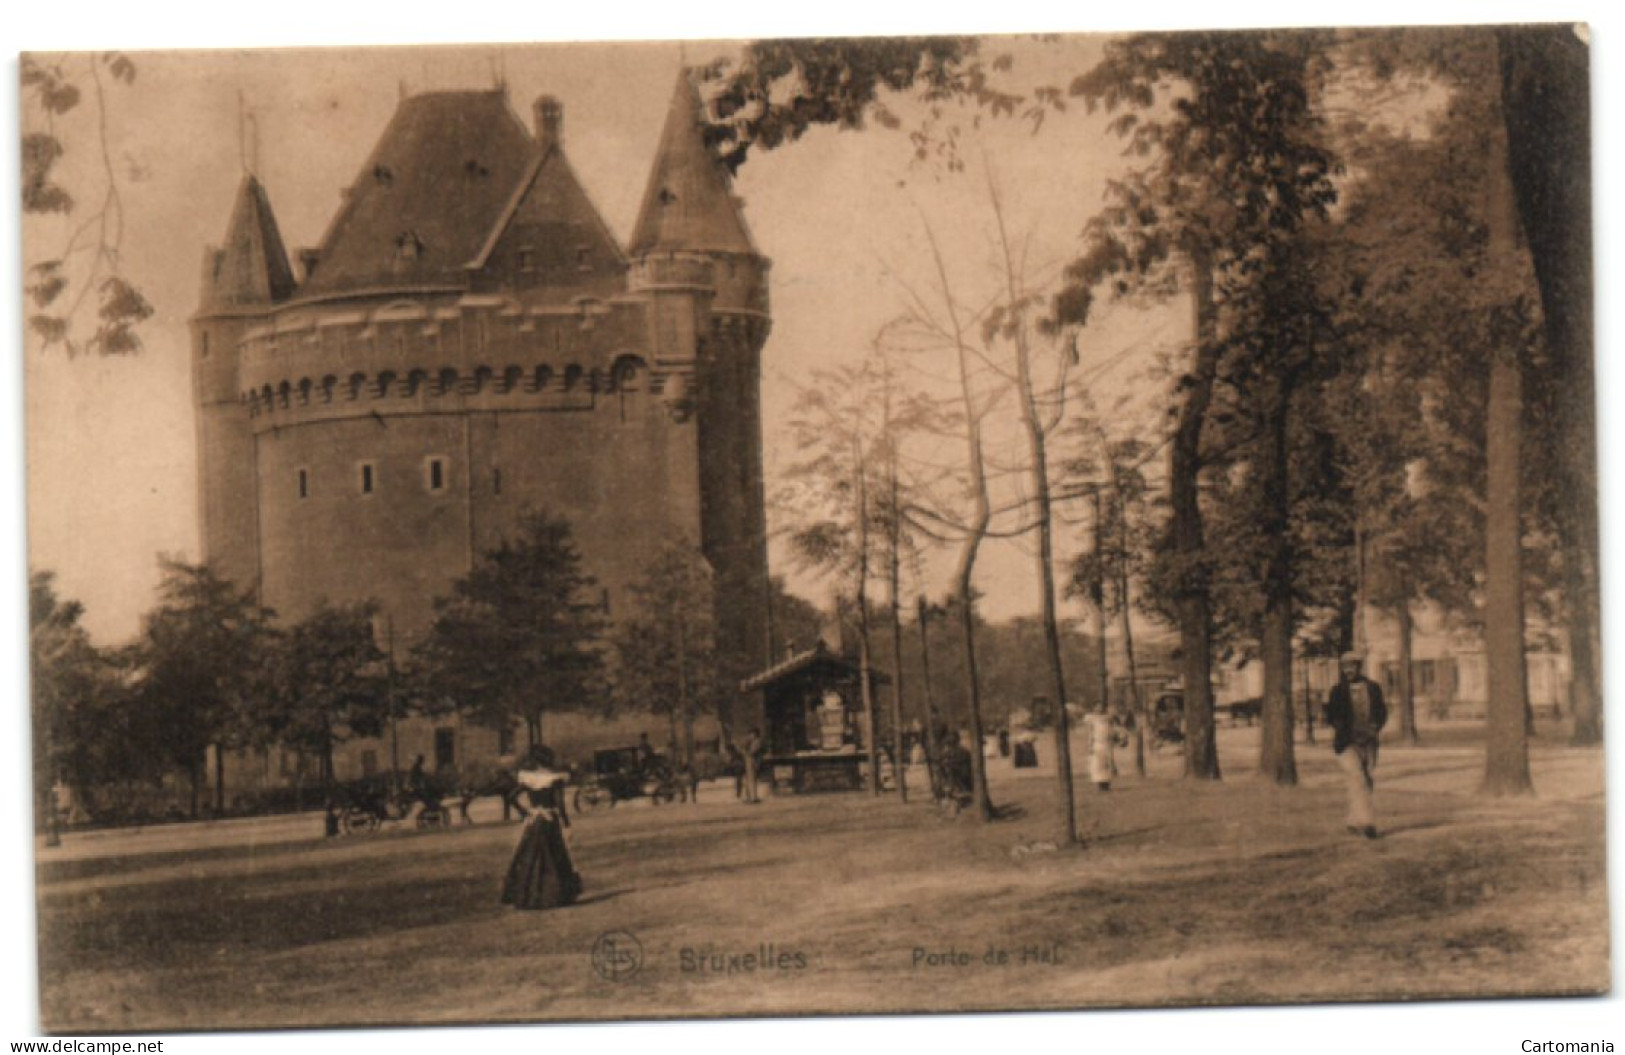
(689, 205)
(251, 269)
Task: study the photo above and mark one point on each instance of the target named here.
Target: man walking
(1356, 713)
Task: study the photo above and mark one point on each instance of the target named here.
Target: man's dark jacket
(1340, 712)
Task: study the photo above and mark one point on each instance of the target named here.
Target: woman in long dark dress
(542, 873)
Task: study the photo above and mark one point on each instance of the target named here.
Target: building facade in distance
(468, 343)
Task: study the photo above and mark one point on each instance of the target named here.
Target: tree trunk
(1192, 606)
(220, 779)
(1124, 608)
(1276, 760)
(981, 517)
(1308, 706)
(1506, 762)
(1546, 105)
(1407, 687)
(894, 562)
(865, 664)
(1136, 703)
(926, 746)
(1585, 700)
(1039, 475)
(1097, 600)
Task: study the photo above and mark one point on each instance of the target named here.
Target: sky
(117, 480)
(110, 442)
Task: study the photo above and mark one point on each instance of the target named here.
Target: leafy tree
(666, 655)
(75, 701)
(202, 669)
(778, 90)
(329, 682)
(89, 257)
(521, 634)
(1236, 169)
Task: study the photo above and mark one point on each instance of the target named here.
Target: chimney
(549, 114)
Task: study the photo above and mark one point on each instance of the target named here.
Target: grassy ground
(1183, 894)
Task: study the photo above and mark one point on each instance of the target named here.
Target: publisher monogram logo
(617, 956)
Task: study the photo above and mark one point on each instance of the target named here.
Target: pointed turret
(251, 268)
(693, 258)
(689, 205)
(243, 282)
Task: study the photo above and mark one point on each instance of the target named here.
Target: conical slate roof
(688, 204)
(251, 268)
(426, 200)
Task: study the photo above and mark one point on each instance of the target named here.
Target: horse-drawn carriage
(368, 804)
(622, 773)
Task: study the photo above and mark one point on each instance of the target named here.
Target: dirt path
(1185, 894)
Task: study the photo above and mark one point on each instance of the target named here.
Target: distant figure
(542, 873)
(753, 758)
(1101, 766)
(1356, 712)
(734, 764)
(958, 775)
(418, 788)
(1004, 741)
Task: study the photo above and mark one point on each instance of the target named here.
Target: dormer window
(527, 259)
(383, 175)
(408, 246)
(474, 170)
(666, 197)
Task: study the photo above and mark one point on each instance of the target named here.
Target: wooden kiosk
(813, 711)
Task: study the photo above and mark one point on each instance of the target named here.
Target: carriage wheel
(356, 820)
(591, 798)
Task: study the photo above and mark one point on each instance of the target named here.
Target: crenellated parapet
(462, 333)
(487, 387)
(673, 272)
(727, 283)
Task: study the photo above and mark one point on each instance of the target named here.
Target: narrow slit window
(434, 474)
(304, 483)
(496, 481)
(366, 478)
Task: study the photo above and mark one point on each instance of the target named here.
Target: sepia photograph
(776, 526)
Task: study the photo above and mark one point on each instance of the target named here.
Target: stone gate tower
(470, 342)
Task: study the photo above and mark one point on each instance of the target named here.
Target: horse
(501, 784)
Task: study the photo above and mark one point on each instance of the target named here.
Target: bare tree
(1042, 411)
